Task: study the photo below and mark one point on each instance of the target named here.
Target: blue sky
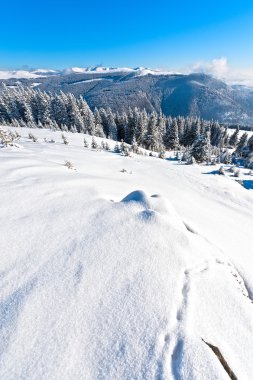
(158, 34)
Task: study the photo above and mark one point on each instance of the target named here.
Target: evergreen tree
(201, 148)
(111, 125)
(98, 124)
(74, 115)
(58, 110)
(134, 146)
(234, 138)
(171, 139)
(87, 117)
(152, 138)
(121, 121)
(241, 144)
(250, 144)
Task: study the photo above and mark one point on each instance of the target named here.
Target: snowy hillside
(141, 273)
(175, 94)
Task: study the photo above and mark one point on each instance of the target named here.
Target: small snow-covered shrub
(237, 173)
(64, 139)
(94, 144)
(69, 164)
(7, 138)
(32, 137)
(85, 143)
(117, 148)
(221, 171)
(161, 155)
(124, 149)
(125, 171)
(52, 141)
(107, 147)
(134, 147)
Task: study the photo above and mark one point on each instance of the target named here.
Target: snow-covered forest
(203, 140)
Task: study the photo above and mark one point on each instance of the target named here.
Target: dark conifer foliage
(198, 138)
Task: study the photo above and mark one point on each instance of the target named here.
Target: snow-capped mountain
(79, 70)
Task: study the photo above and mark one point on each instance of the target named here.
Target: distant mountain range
(172, 93)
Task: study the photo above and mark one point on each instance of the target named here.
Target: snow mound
(139, 197)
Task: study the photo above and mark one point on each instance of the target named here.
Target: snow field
(102, 278)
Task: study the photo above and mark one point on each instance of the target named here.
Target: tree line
(199, 139)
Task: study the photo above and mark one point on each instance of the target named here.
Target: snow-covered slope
(121, 275)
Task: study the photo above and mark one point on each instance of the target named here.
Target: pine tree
(171, 139)
(234, 138)
(250, 144)
(98, 131)
(112, 128)
(151, 141)
(193, 132)
(141, 127)
(4, 111)
(134, 146)
(241, 144)
(121, 121)
(43, 110)
(74, 116)
(58, 110)
(87, 117)
(201, 148)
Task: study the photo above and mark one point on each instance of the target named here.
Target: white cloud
(221, 69)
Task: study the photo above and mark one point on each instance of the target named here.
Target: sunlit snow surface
(121, 275)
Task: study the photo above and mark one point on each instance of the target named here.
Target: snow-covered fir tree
(171, 138)
(201, 148)
(234, 138)
(241, 145)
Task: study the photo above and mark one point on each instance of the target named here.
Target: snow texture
(106, 275)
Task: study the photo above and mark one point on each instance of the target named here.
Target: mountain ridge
(174, 94)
